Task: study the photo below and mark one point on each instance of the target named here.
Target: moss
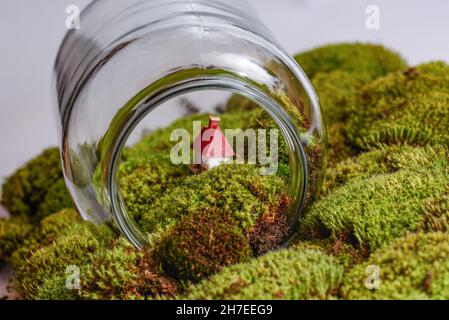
(236, 189)
(23, 192)
(381, 161)
(285, 274)
(364, 61)
(412, 267)
(56, 199)
(435, 215)
(408, 107)
(269, 233)
(144, 179)
(201, 244)
(370, 212)
(339, 148)
(48, 230)
(123, 272)
(388, 177)
(55, 288)
(262, 120)
(337, 92)
(76, 247)
(13, 232)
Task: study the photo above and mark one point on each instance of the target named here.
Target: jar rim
(149, 99)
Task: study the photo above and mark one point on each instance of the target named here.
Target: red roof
(213, 142)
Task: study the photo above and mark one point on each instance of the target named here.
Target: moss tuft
(364, 61)
(24, 191)
(371, 211)
(436, 212)
(75, 247)
(13, 232)
(55, 288)
(123, 272)
(56, 199)
(412, 267)
(285, 274)
(269, 233)
(236, 189)
(144, 179)
(201, 244)
(381, 161)
(407, 107)
(48, 230)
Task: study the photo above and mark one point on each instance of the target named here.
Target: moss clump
(337, 92)
(285, 274)
(56, 199)
(364, 61)
(381, 161)
(24, 191)
(407, 107)
(412, 267)
(75, 247)
(372, 211)
(55, 288)
(48, 230)
(122, 272)
(13, 232)
(436, 212)
(269, 232)
(144, 179)
(237, 189)
(201, 244)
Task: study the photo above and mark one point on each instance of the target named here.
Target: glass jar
(130, 57)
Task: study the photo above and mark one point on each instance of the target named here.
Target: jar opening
(243, 158)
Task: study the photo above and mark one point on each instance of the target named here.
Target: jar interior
(213, 154)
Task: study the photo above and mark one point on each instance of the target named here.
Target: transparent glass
(130, 57)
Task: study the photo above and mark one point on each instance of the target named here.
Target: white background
(30, 33)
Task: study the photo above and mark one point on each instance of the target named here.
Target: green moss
(412, 267)
(56, 199)
(285, 274)
(144, 179)
(338, 147)
(364, 61)
(370, 204)
(55, 288)
(201, 244)
(24, 191)
(369, 212)
(338, 72)
(235, 188)
(76, 247)
(112, 274)
(408, 107)
(381, 161)
(123, 272)
(436, 212)
(337, 92)
(13, 232)
(48, 230)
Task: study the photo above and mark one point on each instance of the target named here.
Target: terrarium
(186, 114)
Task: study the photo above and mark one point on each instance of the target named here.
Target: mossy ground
(384, 203)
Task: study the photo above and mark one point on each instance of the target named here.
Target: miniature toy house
(211, 147)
